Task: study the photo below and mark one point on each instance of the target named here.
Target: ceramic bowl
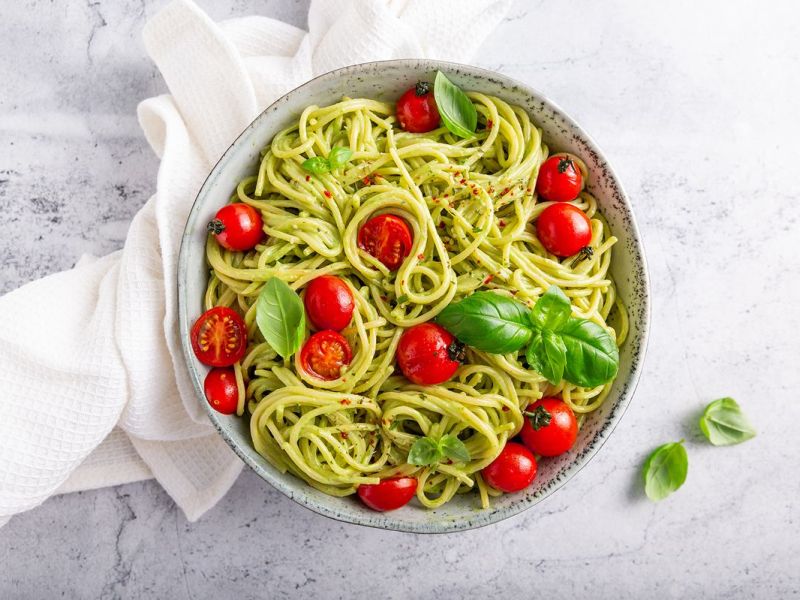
(387, 80)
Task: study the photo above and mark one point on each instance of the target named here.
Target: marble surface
(696, 109)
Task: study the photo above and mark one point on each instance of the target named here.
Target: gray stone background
(696, 105)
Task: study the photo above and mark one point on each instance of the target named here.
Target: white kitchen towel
(93, 352)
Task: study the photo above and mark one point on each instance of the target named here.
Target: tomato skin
(428, 354)
(564, 229)
(219, 337)
(237, 227)
(221, 390)
(513, 470)
(389, 494)
(559, 179)
(329, 303)
(324, 354)
(387, 238)
(558, 436)
(416, 109)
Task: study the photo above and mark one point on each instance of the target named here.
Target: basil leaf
(317, 165)
(453, 448)
(280, 317)
(592, 354)
(552, 310)
(424, 452)
(339, 156)
(456, 109)
(547, 355)
(488, 321)
(724, 423)
(665, 470)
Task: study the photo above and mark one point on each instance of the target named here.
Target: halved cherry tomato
(329, 303)
(429, 354)
(387, 238)
(221, 390)
(237, 226)
(219, 337)
(559, 179)
(513, 470)
(389, 494)
(563, 229)
(325, 353)
(416, 109)
(550, 428)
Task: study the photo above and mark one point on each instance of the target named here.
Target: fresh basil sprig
(456, 109)
(337, 158)
(665, 470)
(427, 451)
(280, 317)
(724, 423)
(560, 346)
(488, 321)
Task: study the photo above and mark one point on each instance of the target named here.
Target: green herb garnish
(280, 317)
(427, 451)
(724, 423)
(665, 470)
(337, 158)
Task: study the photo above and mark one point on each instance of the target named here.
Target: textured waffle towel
(93, 389)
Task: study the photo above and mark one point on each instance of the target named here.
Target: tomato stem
(539, 418)
(457, 351)
(583, 254)
(565, 163)
(422, 88)
(215, 226)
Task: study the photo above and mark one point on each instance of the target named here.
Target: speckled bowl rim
(386, 520)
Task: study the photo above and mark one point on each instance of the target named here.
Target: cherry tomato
(387, 238)
(550, 428)
(325, 353)
(416, 109)
(389, 494)
(429, 354)
(221, 390)
(559, 179)
(219, 337)
(237, 226)
(513, 470)
(564, 229)
(329, 303)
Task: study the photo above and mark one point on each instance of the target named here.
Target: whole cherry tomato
(389, 494)
(237, 226)
(219, 337)
(324, 355)
(429, 354)
(559, 179)
(551, 427)
(513, 470)
(329, 303)
(416, 109)
(564, 229)
(387, 238)
(221, 390)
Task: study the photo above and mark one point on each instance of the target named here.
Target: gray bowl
(387, 80)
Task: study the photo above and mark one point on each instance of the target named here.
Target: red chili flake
(344, 401)
(489, 124)
(327, 194)
(421, 256)
(436, 201)
(447, 195)
(367, 180)
(384, 298)
(488, 279)
(458, 173)
(529, 190)
(463, 182)
(514, 292)
(505, 191)
(402, 282)
(441, 224)
(491, 190)
(505, 408)
(308, 177)
(343, 434)
(475, 191)
(449, 462)
(501, 223)
(344, 379)
(385, 421)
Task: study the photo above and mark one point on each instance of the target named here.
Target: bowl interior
(386, 80)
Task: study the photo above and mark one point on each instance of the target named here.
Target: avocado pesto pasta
(411, 299)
